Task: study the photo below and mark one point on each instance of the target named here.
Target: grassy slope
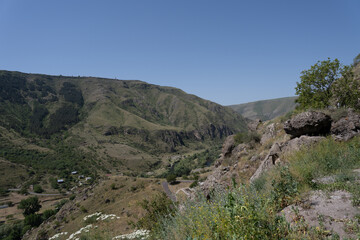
(265, 109)
(148, 122)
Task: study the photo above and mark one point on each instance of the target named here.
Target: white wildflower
(58, 235)
(140, 234)
(91, 215)
(85, 229)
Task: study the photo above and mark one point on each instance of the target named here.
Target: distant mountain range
(265, 109)
(57, 122)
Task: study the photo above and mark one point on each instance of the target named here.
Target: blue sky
(226, 51)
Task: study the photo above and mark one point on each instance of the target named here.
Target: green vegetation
(183, 167)
(327, 83)
(250, 212)
(159, 207)
(38, 189)
(29, 206)
(356, 60)
(171, 178)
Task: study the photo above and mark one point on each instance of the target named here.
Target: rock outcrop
(347, 127)
(270, 132)
(296, 143)
(308, 123)
(269, 161)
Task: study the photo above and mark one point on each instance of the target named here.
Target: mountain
(265, 109)
(60, 123)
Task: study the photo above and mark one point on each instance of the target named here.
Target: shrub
(38, 189)
(48, 213)
(33, 220)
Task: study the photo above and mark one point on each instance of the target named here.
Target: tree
(346, 91)
(30, 205)
(171, 178)
(314, 90)
(357, 60)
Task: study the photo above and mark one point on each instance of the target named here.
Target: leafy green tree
(357, 60)
(346, 91)
(314, 89)
(171, 178)
(29, 206)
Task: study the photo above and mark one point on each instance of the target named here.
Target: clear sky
(226, 51)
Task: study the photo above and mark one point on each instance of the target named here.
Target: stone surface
(308, 123)
(335, 208)
(347, 127)
(296, 143)
(268, 162)
(228, 146)
(270, 132)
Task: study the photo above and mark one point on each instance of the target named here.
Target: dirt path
(167, 191)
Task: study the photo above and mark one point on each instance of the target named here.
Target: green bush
(38, 189)
(48, 213)
(33, 220)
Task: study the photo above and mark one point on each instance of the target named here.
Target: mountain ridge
(129, 124)
(265, 109)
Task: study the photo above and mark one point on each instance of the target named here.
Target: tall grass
(238, 214)
(326, 158)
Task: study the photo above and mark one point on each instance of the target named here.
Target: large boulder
(347, 127)
(308, 123)
(297, 143)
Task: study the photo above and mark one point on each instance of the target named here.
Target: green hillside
(59, 124)
(265, 109)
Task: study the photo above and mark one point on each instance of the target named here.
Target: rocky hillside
(317, 155)
(266, 109)
(67, 122)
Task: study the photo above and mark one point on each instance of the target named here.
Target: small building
(74, 172)
(60, 181)
(88, 178)
(81, 176)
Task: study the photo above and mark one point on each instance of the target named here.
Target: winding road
(169, 193)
